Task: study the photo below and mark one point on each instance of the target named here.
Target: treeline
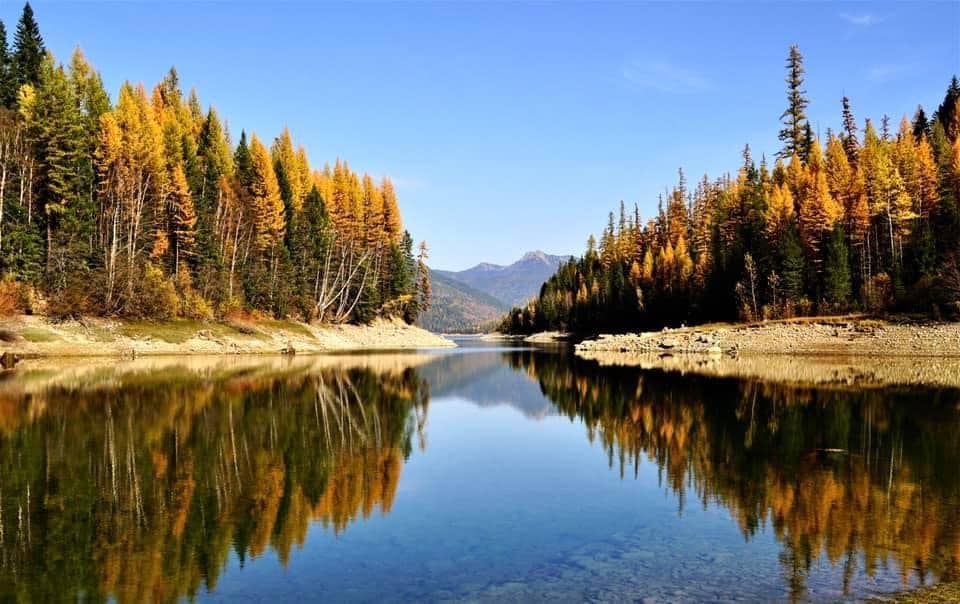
(145, 208)
(833, 226)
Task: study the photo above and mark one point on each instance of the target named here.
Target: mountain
(456, 307)
(514, 284)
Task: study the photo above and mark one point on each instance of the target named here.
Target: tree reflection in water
(138, 485)
(858, 476)
(139, 490)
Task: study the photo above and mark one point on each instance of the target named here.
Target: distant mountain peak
(513, 284)
(487, 266)
(535, 255)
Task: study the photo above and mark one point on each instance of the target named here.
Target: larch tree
(265, 201)
(184, 219)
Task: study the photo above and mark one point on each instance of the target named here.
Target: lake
(483, 473)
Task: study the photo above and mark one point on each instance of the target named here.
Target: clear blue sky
(511, 127)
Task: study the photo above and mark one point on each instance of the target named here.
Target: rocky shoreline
(818, 336)
(823, 352)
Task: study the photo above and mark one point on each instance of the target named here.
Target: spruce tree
(791, 263)
(921, 125)
(8, 87)
(243, 164)
(948, 107)
(851, 143)
(28, 49)
(836, 269)
(794, 118)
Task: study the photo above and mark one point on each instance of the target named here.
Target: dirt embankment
(37, 336)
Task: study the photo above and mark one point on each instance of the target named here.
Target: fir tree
(28, 49)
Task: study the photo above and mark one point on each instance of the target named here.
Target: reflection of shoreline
(139, 489)
(36, 375)
(855, 477)
(820, 371)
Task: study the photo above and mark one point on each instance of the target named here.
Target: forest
(864, 219)
(143, 207)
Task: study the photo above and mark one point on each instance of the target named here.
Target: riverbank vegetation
(858, 219)
(145, 208)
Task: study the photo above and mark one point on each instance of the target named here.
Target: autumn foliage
(145, 207)
(832, 225)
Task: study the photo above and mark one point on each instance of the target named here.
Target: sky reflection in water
(483, 474)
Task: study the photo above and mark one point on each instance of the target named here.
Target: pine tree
(28, 50)
(794, 133)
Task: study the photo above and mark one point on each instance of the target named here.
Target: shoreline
(831, 352)
(38, 337)
(849, 336)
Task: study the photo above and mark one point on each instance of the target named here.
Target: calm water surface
(481, 474)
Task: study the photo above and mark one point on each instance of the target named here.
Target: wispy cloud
(662, 76)
(863, 19)
(408, 183)
(885, 72)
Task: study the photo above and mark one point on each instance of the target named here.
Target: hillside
(458, 308)
(513, 284)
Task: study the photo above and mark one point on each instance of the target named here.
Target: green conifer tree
(28, 49)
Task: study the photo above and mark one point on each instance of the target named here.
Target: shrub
(192, 304)
(11, 297)
(154, 296)
(878, 293)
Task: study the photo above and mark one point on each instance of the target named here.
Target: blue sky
(511, 127)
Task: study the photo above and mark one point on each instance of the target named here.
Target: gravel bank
(825, 336)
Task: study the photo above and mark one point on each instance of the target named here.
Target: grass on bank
(179, 331)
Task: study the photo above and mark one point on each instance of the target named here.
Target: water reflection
(859, 477)
(140, 489)
(143, 481)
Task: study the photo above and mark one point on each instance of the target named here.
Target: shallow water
(479, 474)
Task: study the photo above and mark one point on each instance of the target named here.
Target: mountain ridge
(472, 300)
(513, 284)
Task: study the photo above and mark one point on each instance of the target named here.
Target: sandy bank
(543, 337)
(38, 336)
